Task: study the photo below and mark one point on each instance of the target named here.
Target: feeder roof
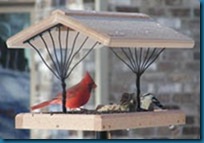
(112, 29)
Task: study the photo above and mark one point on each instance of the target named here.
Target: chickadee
(149, 101)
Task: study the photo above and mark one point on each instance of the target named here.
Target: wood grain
(99, 122)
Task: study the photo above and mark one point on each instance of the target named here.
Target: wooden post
(101, 58)
(102, 135)
(102, 94)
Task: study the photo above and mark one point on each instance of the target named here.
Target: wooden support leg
(103, 135)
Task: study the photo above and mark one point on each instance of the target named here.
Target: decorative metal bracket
(61, 63)
(138, 61)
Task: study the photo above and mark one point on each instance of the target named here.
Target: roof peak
(101, 13)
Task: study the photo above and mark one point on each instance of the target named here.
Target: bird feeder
(136, 35)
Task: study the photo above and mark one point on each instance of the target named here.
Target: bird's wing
(157, 102)
(71, 91)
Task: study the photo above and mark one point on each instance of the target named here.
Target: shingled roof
(112, 29)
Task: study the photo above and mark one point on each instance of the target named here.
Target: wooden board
(99, 122)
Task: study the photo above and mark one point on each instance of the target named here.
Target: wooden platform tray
(99, 122)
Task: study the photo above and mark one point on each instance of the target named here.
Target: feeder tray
(99, 122)
(114, 30)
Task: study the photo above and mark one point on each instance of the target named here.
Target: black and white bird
(149, 102)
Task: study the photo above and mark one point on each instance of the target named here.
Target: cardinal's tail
(43, 104)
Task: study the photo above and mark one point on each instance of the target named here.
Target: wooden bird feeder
(137, 35)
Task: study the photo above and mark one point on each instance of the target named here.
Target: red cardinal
(76, 96)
